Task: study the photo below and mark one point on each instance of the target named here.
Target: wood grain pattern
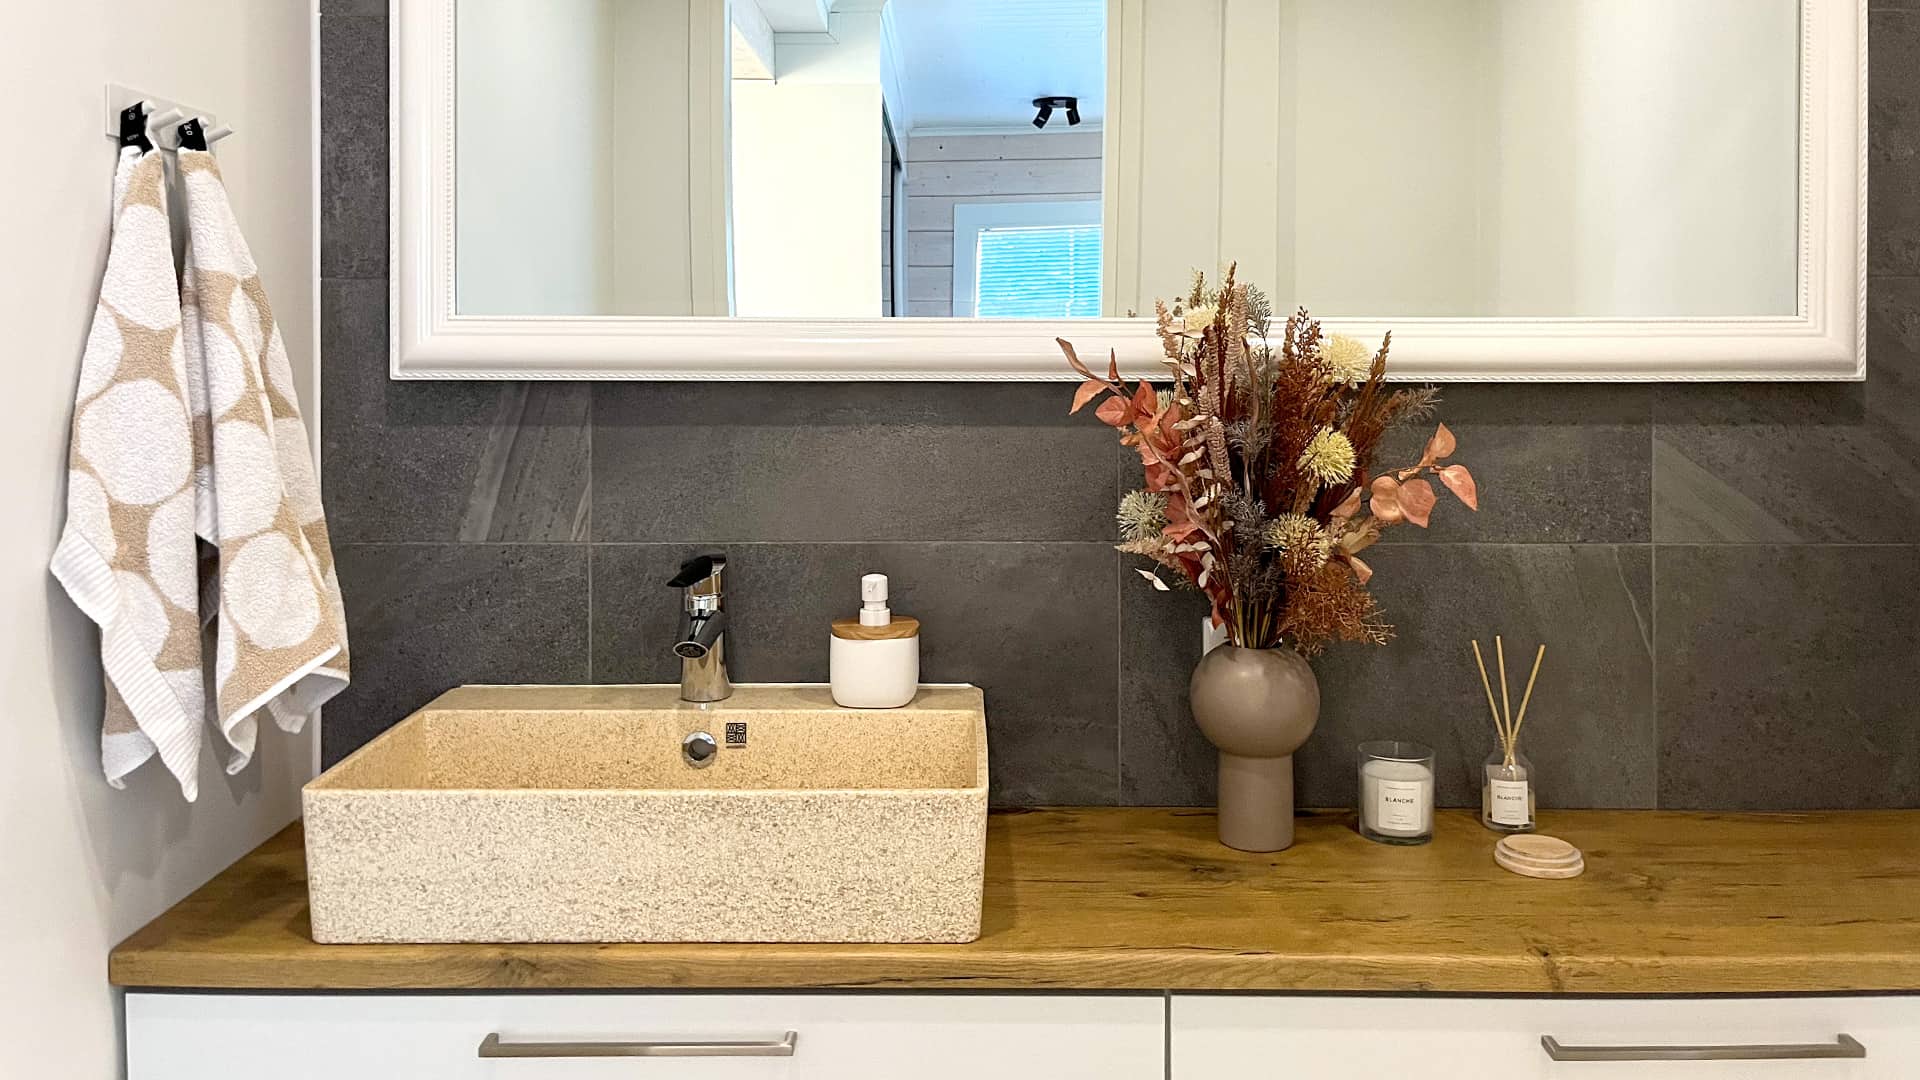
(902, 626)
(1145, 899)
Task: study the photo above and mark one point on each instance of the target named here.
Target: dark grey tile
(353, 7)
(789, 462)
(1787, 462)
(1563, 463)
(1031, 624)
(1893, 140)
(432, 461)
(1164, 760)
(1590, 726)
(1787, 677)
(422, 618)
(353, 147)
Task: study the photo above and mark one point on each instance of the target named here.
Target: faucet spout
(703, 638)
(701, 635)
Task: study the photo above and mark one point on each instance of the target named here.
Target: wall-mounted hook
(133, 126)
(190, 135)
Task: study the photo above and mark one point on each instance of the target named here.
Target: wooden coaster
(1536, 856)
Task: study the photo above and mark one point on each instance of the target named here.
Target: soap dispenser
(875, 656)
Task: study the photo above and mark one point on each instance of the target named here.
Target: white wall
(1385, 222)
(82, 865)
(806, 212)
(534, 168)
(1472, 157)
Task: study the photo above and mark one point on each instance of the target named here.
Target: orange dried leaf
(1087, 392)
(1073, 359)
(1361, 571)
(1115, 412)
(1113, 365)
(1385, 503)
(1145, 401)
(1440, 447)
(1460, 482)
(1348, 507)
(1416, 501)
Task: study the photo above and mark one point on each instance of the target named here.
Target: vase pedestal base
(1256, 802)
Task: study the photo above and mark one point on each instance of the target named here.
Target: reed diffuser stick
(1506, 709)
(1514, 742)
(1499, 729)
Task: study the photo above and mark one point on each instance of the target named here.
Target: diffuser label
(1397, 806)
(1509, 802)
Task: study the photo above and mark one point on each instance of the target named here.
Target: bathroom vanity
(1123, 943)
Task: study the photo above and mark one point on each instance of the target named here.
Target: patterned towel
(127, 554)
(280, 633)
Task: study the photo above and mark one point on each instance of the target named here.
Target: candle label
(1397, 806)
(1510, 799)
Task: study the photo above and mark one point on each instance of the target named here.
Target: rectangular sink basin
(572, 813)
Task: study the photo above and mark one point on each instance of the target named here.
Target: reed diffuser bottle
(1507, 800)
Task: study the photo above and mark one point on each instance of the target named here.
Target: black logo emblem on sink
(736, 734)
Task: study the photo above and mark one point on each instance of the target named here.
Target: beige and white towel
(127, 555)
(280, 637)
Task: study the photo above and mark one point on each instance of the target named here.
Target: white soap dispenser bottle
(875, 656)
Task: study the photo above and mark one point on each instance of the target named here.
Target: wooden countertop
(1145, 899)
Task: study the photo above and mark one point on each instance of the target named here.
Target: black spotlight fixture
(1046, 105)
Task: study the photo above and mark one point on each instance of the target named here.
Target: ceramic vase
(1256, 706)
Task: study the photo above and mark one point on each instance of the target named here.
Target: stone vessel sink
(569, 813)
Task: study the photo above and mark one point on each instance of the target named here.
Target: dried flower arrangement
(1258, 461)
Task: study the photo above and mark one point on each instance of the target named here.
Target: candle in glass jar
(1396, 791)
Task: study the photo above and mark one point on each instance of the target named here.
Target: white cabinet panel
(1218, 1037)
(838, 1036)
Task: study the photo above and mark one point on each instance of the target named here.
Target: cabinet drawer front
(1220, 1037)
(644, 1036)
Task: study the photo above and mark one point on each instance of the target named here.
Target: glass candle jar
(1506, 793)
(1396, 792)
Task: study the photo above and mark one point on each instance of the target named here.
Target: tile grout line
(1653, 590)
(589, 537)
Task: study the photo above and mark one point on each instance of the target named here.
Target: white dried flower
(1142, 515)
(1348, 360)
(1328, 457)
(1299, 534)
(1197, 319)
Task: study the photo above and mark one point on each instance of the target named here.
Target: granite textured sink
(571, 813)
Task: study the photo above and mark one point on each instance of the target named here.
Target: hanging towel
(280, 638)
(127, 555)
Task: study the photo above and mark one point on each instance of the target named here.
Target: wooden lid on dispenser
(900, 626)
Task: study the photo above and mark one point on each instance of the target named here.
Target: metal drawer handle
(492, 1047)
(1842, 1046)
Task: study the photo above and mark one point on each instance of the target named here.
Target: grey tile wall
(1726, 574)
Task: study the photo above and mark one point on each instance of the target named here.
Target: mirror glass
(1378, 159)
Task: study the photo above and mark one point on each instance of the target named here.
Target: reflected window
(1027, 260)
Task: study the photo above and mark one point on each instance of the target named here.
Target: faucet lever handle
(697, 569)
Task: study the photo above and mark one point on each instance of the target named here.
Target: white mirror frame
(1824, 341)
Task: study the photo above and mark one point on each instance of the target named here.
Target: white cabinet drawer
(1221, 1037)
(837, 1036)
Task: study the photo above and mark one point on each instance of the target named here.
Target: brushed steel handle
(492, 1047)
(1842, 1046)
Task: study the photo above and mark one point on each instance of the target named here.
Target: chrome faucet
(703, 638)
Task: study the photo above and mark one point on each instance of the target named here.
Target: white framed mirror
(936, 189)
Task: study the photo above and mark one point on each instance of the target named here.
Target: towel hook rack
(157, 122)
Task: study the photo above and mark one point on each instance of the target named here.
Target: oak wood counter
(1146, 899)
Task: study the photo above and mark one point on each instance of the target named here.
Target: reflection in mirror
(784, 158)
(1388, 159)
(1514, 158)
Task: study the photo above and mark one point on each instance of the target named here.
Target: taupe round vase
(1256, 706)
